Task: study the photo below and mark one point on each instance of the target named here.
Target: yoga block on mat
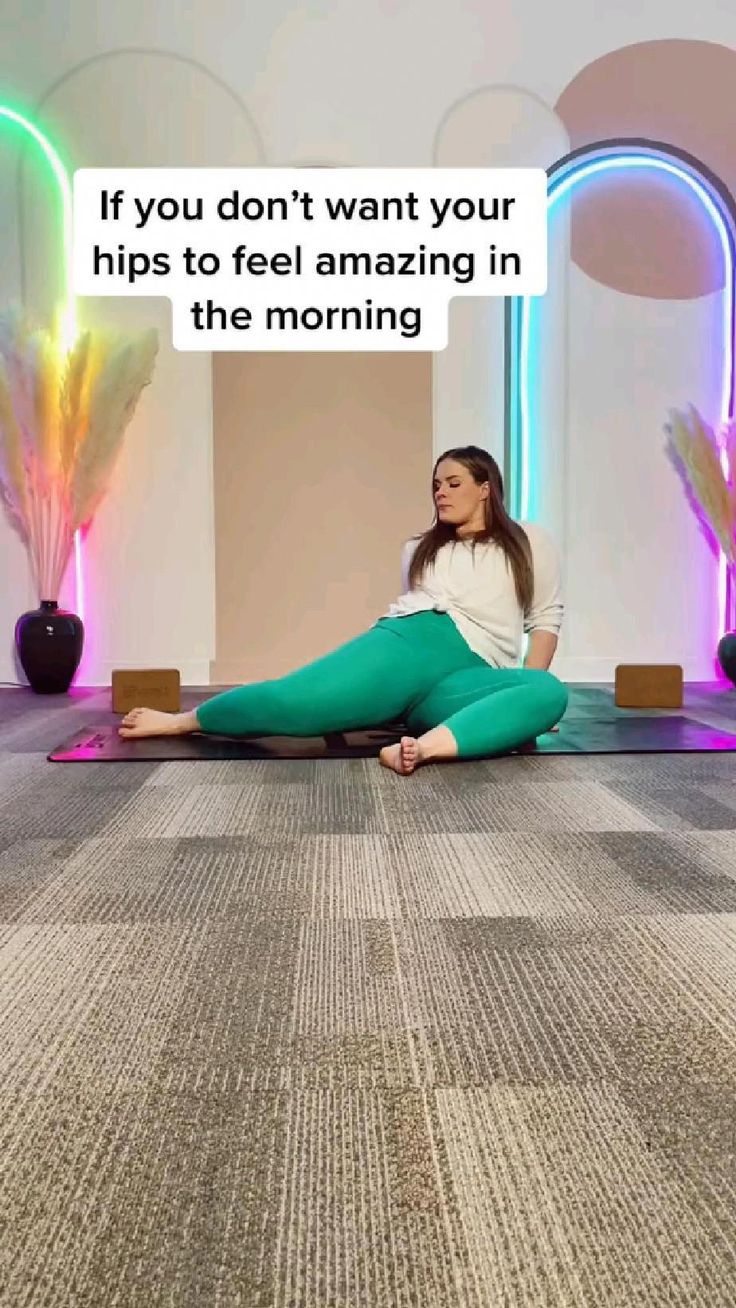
(158, 688)
(649, 685)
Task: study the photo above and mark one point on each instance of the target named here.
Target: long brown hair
(498, 527)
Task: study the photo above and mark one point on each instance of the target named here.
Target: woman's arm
(543, 623)
(407, 554)
(543, 619)
(541, 650)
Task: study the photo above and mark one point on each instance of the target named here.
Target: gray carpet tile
(27, 867)
(291, 1034)
(544, 807)
(712, 850)
(228, 772)
(343, 801)
(672, 806)
(591, 1189)
(669, 877)
(192, 810)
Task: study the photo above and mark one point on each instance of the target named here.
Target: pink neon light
(78, 575)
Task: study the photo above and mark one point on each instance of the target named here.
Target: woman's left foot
(402, 758)
(151, 722)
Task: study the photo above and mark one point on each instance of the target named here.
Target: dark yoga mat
(613, 735)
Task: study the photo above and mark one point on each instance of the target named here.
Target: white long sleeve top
(480, 597)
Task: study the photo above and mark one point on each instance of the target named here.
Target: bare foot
(404, 757)
(151, 722)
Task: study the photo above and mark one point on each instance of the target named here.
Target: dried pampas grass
(729, 445)
(63, 416)
(697, 454)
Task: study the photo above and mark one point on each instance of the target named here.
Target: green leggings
(418, 669)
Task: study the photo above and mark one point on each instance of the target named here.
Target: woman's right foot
(404, 757)
(151, 722)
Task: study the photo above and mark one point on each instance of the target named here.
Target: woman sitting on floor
(444, 658)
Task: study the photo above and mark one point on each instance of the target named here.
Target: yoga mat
(103, 744)
(613, 735)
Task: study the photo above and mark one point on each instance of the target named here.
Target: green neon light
(68, 318)
(68, 323)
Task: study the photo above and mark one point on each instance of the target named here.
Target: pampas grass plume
(696, 448)
(63, 417)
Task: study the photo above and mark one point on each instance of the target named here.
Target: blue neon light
(521, 317)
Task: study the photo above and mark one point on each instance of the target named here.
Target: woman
(443, 658)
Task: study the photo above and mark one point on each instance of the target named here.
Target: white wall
(500, 127)
(149, 555)
(359, 82)
(641, 582)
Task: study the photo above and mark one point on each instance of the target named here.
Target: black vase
(727, 655)
(49, 643)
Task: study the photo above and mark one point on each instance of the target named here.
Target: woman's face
(458, 498)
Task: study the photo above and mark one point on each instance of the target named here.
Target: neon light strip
(576, 172)
(68, 324)
(68, 321)
(78, 574)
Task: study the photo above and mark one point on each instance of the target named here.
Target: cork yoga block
(649, 685)
(157, 688)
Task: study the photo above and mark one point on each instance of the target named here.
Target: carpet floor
(304, 1034)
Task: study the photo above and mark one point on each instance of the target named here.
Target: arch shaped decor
(563, 177)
